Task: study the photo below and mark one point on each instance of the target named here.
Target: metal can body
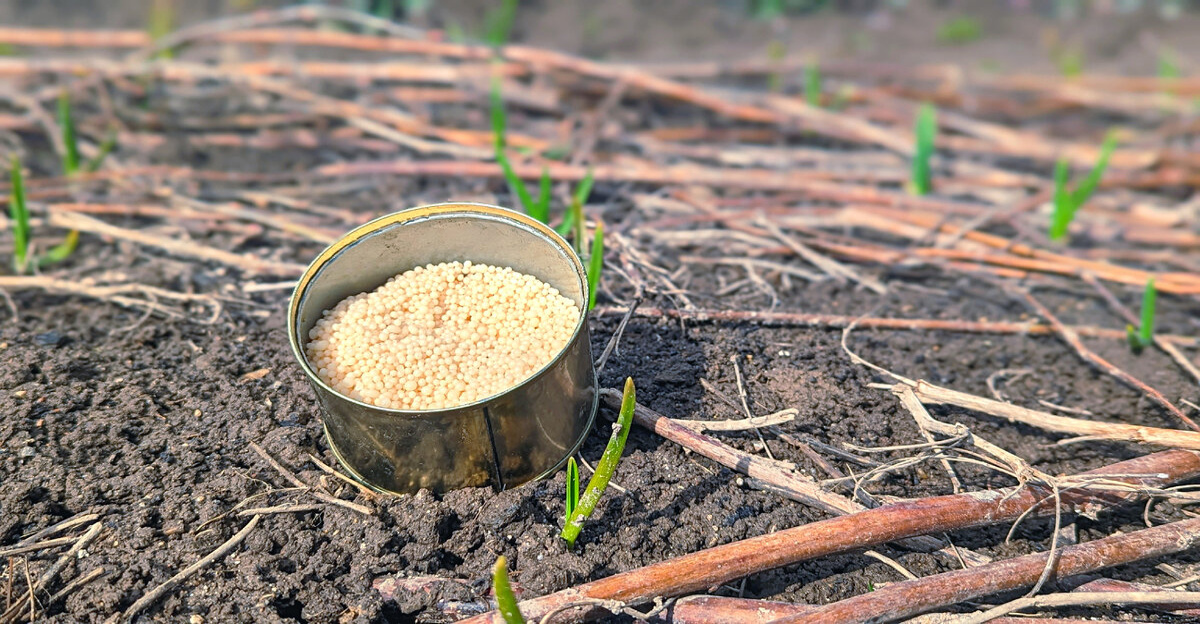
(504, 440)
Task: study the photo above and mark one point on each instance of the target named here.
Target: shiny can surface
(504, 440)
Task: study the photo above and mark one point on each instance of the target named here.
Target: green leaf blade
(572, 489)
(1086, 188)
(1149, 303)
(606, 467)
(61, 251)
(506, 600)
(595, 265)
(925, 131)
(1064, 208)
(541, 208)
(66, 126)
(19, 213)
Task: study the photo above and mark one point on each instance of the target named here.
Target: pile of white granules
(441, 336)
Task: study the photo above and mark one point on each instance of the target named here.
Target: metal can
(521, 434)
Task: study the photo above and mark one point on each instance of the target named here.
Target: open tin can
(521, 434)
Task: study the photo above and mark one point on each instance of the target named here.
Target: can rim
(403, 216)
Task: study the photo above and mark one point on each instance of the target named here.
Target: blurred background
(1141, 37)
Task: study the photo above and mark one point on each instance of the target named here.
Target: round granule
(441, 336)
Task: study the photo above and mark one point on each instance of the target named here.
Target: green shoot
(61, 251)
(1143, 336)
(605, 469)
(499, 117)
(595, 264)
(775, 52)
(925, 131)
(106, 148)
(506, 601)
(498, 23)
(768, 9)
(161, 23)
(959, 31)
(572, 489)
(812, 84)
(19, 213)
(67, 127)
(1067, 201)
(540, 209)
(1064, 210)
(1070, 62)
(1168, 66)
(573, 222)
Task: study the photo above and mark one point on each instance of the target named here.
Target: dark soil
(149, 422)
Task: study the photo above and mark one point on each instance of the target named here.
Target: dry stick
(289, 508)
(185, 248)
(14, 612)
(1072, 339)
(786, 482)
(723, 610)
(36, 546)
(367, 492)
(115, 293)
(930, 393)
(1114, 585)
(908, 598)
(611, 347)
(76, 584)
(840, 321)
(158, 592)
(830, 266)
(721, 564)
(740, 424)
(1081, 599)
(69, 523)
(294, 480)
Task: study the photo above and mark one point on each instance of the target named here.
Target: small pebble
(49, 339)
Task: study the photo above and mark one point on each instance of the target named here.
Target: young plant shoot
(66, 125)
(1067, 201)
(925, 131)
(595, 265)
(1143, 336)
(605, 469)
(19, 214)
(572, 489)
(539, 209)
(506, 601)
(812, 84)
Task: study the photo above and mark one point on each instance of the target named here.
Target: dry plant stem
(721, 564)
(167, 586)
(266, 511)
(76, 584)
(1081, 599)
(788, 483)
(838, 321)
(184, 248)
(908, 598)
(115, 293)
(723, 610)
(294, 480)
(929, 393)
(14, 612)
(757, 467)
(36, 546)
(1114, 585)
(70, 523)
(1072, 339)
